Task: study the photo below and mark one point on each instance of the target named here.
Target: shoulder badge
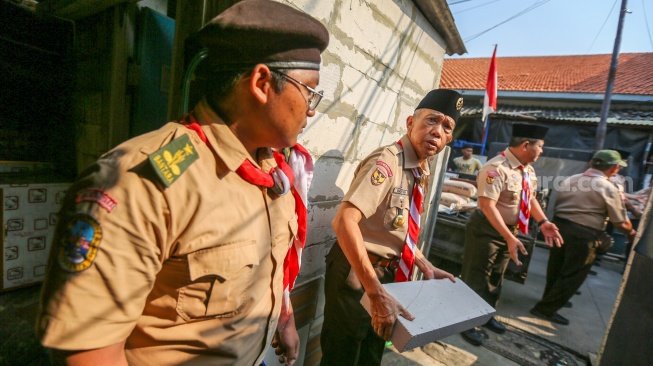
(80, 242)
(385, 166)
(491, 175)
(172, 160)
(98, 196)
(377, 177)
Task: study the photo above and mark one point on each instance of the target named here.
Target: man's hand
(431, 272)
(286, 344)
(514, 245)
(385, 310)
(551, 234)
(631, 236)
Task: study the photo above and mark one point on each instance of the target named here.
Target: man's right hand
(385, 310)
(514, 247)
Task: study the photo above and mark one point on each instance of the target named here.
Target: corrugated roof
(562, 74)
(615, 117)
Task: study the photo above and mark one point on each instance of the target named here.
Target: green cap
(608, 157)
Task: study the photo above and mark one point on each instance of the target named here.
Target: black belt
(378, 261)
(514, 229)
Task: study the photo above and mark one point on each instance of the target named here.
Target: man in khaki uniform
(504, 209)
(585, 203)
(467, 164)
(170, 249)
(372, 226)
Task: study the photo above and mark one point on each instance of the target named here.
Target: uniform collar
(410, 157)
(595, 173)
(512, 159)
(222, 140)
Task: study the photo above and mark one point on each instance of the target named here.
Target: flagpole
(486, 132)
(490, 97)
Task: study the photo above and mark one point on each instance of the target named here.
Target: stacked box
(29, 216)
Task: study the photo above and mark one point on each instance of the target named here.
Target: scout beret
(608, 157)
(263, 31)
(444, 101)
(529, 131)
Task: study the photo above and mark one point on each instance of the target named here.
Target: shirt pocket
(219, 278)
(513, 191)
(399, 205)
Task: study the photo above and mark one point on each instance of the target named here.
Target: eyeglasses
(315, 96)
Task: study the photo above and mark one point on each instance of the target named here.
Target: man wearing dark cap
(506, 201)
(377, 226)
(170, 249)
(467, 164)
(584, 204)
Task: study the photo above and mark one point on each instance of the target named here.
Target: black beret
(444, 101)
(529, 131)
(264, 31)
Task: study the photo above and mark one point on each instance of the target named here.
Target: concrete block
(441, 308)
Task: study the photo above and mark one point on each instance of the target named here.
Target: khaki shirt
(186, 273)
(590, 199)
(500, 179)
(469, 166)
(381, 190)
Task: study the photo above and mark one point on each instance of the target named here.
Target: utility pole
(605, 108)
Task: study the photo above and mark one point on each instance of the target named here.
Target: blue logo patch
(80, 242)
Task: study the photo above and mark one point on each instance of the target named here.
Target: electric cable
(647, 28)
(532, 7)
(604, 22)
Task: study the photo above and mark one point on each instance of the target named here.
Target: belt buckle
(394, 263)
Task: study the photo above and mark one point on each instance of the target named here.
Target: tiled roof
(558, 74)
(583, 115)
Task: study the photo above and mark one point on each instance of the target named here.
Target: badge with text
(172, 160)
(491, 175)
(80, 242)
(377, 177)
(98, 196)
(385, 166)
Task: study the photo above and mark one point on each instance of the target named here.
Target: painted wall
(383, 57)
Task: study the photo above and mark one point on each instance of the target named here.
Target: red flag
(490, 100)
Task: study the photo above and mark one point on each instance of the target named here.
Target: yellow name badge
(172, 160)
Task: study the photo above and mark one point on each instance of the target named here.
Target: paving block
(440, 307)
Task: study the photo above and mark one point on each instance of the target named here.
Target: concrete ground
(588, 317)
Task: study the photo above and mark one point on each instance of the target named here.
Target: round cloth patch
(80, 242)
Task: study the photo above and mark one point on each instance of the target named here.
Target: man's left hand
(433, 273)
(551, 234)
(286, 344)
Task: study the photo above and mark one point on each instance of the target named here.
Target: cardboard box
(441, 308)
(28, 216)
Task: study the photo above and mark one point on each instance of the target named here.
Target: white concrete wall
(383, 57)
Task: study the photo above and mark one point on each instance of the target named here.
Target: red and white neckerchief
(295, 176)
(407, 261)
(525, 204)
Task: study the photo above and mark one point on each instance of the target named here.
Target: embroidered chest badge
(80, 242)
(172, 160)
(377, 177)
(491, 175)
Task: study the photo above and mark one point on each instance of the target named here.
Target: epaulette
(173, 159)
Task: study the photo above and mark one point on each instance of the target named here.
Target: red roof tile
(567, 74)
